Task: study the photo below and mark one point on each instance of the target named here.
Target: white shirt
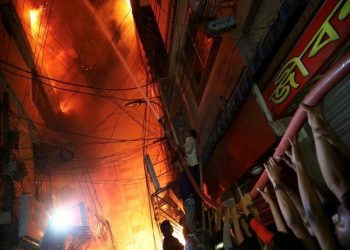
(191, 151)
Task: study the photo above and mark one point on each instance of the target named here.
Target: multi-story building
(241, 68)
(234, 70)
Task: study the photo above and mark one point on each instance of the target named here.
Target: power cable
(90, 136)
(70, 83)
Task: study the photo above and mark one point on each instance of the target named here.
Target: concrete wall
(235, 50)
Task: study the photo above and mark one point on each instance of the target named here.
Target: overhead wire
(112, 135)
(90, 136)
(80, 85)
(64, 89)
(117, 31)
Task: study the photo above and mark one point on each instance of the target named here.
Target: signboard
(325, 35)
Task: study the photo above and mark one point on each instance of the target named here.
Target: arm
(312, 204)
(239, 238)
(289, 211)
(251, 207)
(218, 216)
(245, 227)
(330, 164)
(227, 236)
(226, 232)
(274, 210)
(260, 230)
(295, 199)
(296, 202)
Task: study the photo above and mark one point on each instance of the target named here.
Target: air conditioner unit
(33, 219)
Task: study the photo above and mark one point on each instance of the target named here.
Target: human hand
(226, 215)
(265, 194)
(246, 202)
(313, 114)
(294, 155)
(286, 158)
(273, 171)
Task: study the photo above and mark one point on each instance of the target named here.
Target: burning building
(96, 93)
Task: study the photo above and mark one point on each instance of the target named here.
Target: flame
(123, 9)
(128, 4)
(65, 106)
(35, 16)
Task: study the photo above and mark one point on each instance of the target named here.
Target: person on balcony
(191, 156)
(187, 194)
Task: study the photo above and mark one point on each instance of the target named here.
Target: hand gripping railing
(330, 79)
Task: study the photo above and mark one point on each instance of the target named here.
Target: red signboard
(325, 35)
(249, 136)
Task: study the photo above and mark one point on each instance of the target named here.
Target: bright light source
(61, 220)
(179, 235)
(35, 19)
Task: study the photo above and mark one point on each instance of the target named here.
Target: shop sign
(326, 34)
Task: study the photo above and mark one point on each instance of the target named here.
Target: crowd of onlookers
(303, 221)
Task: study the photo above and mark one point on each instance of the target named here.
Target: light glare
(61, 220)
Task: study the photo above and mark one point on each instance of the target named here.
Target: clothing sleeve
(227, 236)
(189, 145)
(261, 231)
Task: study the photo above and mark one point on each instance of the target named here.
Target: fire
(65, 106)
(124, 12)
(35, 16)
(128, 4)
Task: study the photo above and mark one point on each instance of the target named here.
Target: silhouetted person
(169, 242)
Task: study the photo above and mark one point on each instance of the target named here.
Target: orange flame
(65, 106)
(35, 15)
(128, 4)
